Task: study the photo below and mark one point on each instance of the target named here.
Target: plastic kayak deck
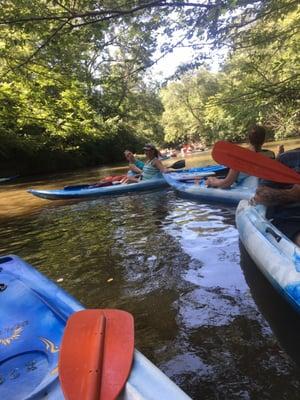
(195, 188)
(33, 315)
(93, 192)
(275, 255)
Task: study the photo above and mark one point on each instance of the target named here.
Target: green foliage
(259, 83)
(73, 75)
(184, 104)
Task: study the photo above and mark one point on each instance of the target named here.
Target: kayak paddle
(252, 163)
(178, 164)
(96, 354)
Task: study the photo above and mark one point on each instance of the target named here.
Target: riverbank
(43, 162)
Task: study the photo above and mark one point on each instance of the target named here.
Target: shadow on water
(283, 319)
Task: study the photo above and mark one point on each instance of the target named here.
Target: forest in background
(76, 86)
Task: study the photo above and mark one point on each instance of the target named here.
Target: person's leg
(131, 179)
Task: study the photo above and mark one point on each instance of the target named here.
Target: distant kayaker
(153, 167)
(283, 200)
(256, 139)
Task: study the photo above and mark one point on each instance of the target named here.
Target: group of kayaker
(256, 137)
(282, 200)
(277, 197)
(150, 169)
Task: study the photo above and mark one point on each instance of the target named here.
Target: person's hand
(269, 196)
(296, 192)
(211, 181)
(261, 196)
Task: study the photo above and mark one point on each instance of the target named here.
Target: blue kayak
(93, 192)
(33, 315)
(191, 184)
(274, 253)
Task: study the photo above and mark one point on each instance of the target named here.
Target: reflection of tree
(282, 318)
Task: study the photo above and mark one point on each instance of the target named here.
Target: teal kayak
(94, 192)
(33, 315)
(274, 253)
(195, 189)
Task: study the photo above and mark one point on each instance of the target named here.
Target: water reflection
(175, 265)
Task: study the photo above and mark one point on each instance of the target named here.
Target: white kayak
(273, 252)
(194, 188)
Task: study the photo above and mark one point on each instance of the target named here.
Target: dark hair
(156, 152)
(257, 135)
(150, 146)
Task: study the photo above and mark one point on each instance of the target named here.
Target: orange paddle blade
(251, 163)
(96, 354)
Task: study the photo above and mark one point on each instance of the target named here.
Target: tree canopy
(74, 77)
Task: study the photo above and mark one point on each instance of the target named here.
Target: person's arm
(159, 165)
(271, 197)
(222, 183)
(280, 150)
(135, 169)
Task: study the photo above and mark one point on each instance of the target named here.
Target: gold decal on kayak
(54, 371)
(50, 346)
(12, 334)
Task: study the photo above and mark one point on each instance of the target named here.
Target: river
(204, 314)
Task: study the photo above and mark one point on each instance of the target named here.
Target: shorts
(286, 219)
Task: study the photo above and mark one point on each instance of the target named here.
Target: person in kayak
(135, 169)
(135, 166)
(153, 168)
(256, 139)
(282, 200)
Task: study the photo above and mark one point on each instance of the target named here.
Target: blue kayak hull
(86, 193)
(197, 190)
(274, 254)
(33, 315)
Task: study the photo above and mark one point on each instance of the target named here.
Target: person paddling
(135, 166)
(256, 139)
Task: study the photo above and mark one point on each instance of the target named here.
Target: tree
(184, 104)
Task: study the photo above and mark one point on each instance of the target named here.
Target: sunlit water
(177, 266)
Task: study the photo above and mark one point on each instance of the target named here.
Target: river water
(203, 312)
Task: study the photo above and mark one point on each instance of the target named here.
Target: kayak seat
(29, 334)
